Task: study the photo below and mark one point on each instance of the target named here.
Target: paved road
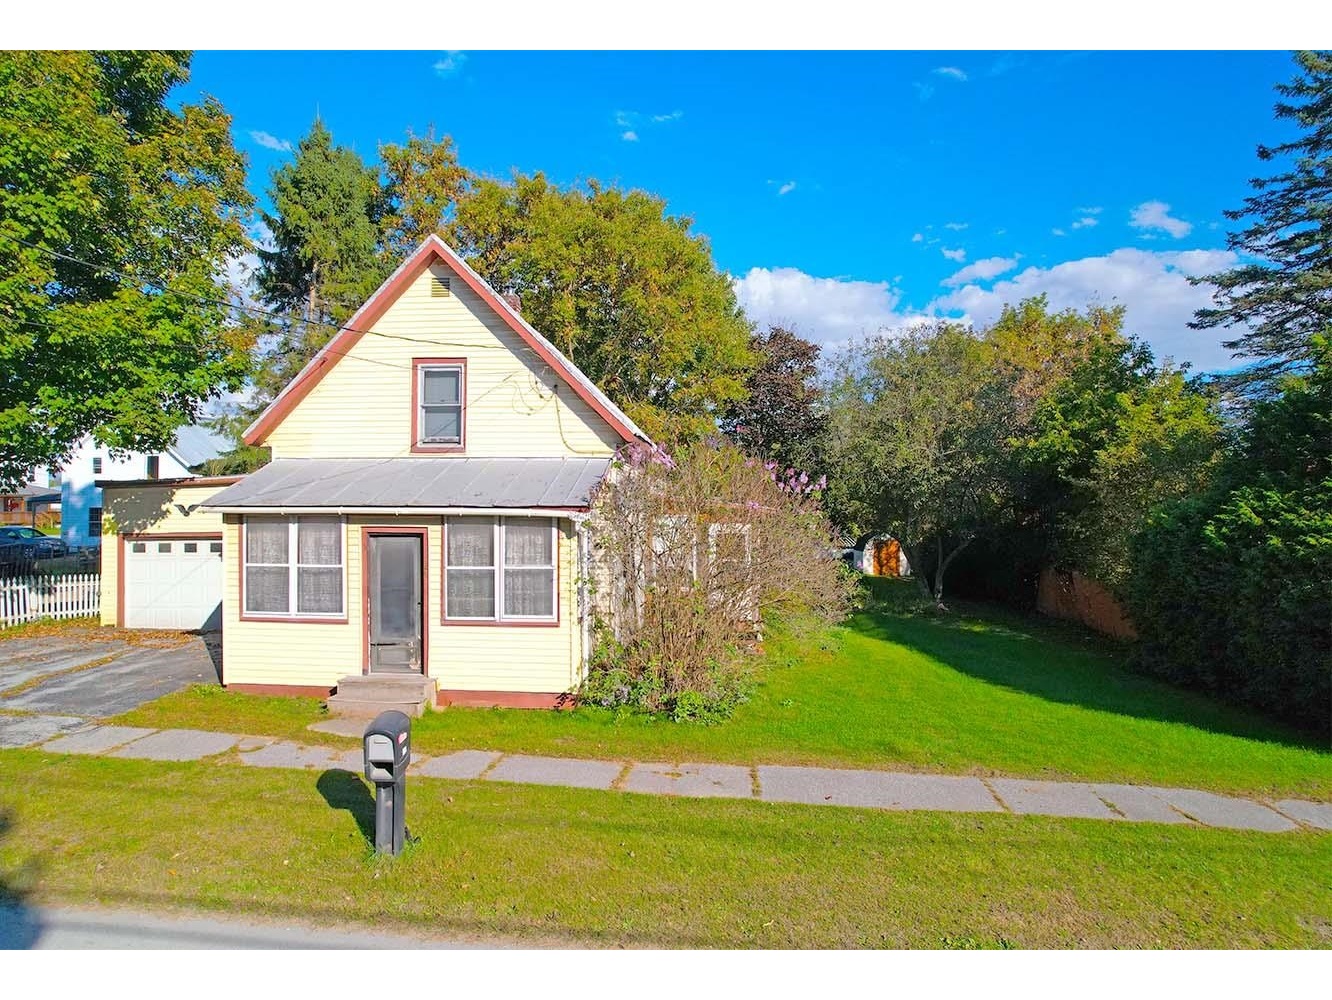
(46, 928)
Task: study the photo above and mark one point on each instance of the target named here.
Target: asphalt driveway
(94, 673)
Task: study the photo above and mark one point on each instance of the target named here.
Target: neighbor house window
(153, 466)
(293, 567)
(97, 465)
(500, 569)
(94, 522)
(439, 404)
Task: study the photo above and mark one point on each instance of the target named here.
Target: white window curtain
(518, 586)
(311, 583)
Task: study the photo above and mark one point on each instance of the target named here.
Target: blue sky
(843, 191)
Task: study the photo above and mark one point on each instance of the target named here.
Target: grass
(981, 691)
(605, 868)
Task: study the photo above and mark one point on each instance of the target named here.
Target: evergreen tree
(323, 261)
(1284, 298)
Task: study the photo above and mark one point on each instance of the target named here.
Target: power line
(252, 309)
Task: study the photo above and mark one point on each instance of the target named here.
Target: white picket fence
(71, 595)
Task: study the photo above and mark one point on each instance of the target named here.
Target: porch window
(439, 410)
(294, 567)
(500, 569)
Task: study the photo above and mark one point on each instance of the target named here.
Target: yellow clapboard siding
(148, 510)
(484, 658)
(515, 405)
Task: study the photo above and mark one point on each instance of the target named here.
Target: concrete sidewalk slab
(1138, 803)
(1051, 798)
(25, 730)
(692, 780)
(874, 789)
(1315, 814)
(464, 765)
(98, 739)
(178, 744)
(353, 728)
(556, 771)
(296, 756)
(1219, 810)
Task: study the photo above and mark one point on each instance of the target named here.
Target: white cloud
(952, 72)
(958, 255)
(629, 136)
(451, 63)
(918, 238)
(923, 90)
(672, 117)
(1086, 222)
(787, 188)
(981, 270)
(1153, 287)
(1056, 231)
(830, 311)
(1096, 210)
(269, 141)
(956, 226)
(1155, 215)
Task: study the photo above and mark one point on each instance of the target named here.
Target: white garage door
(173, 583)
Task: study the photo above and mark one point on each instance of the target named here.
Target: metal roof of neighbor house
(399, 483)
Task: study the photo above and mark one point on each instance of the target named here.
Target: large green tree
(918, 431)
(1281, 291)
(118, 215)
(422, 184)
(782, 419)
(621, 287)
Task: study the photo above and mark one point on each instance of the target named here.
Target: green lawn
(606, 868)
(981, 691)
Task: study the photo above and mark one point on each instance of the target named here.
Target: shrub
(1236, 598)
(693, 556)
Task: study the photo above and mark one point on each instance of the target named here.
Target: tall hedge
(1235, 598)
(1231, 590)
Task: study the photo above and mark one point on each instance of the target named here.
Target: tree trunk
(942, 568)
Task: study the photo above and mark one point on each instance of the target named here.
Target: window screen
(293, 566)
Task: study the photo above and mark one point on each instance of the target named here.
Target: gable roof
(431, 250)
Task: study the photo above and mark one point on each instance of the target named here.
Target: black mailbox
(388, 750)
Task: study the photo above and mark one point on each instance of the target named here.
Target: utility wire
(241, 307)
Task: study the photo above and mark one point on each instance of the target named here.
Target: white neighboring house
(81, 498)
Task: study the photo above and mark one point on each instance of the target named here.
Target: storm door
(395, 603)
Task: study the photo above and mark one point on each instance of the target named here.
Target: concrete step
(366, 695)
(350, 708)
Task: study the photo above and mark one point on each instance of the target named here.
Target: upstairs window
(154, 466)
(440, 386)
(97, 465)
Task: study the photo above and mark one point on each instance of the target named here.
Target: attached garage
(163, 567)
(173, 582)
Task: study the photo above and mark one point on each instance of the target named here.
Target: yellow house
(423, 518)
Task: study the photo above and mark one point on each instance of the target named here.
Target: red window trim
(260, 616)
(497, 621)
(417, 448)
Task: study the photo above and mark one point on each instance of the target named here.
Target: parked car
(21, 546)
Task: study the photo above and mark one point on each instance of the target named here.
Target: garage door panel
(173, 584)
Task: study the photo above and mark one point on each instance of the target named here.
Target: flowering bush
(694, 552)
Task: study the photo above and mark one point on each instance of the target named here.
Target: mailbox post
(388, 751)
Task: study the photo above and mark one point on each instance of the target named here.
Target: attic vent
(439, 287)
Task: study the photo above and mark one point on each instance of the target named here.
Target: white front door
(173, 583)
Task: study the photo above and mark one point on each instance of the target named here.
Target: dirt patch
(87, 628)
